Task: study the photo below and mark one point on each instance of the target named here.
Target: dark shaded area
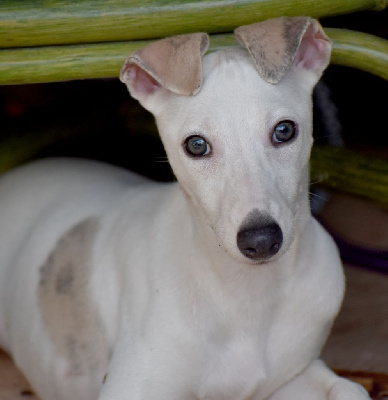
(359, 100)
(94, 119)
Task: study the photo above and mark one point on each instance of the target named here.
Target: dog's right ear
(174, 63)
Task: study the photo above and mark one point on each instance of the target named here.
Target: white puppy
(219, 287)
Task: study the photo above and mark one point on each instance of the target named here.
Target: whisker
(317, 196)
(161, 159)
(323, 137)
(313, 182)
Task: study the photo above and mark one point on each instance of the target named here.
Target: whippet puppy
(220, 286)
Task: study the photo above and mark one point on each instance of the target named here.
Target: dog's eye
(284, 131)
(197, 146)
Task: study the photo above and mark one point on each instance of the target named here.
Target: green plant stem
(104, 60)
(360, 50)
(350, 172)
(40, 23)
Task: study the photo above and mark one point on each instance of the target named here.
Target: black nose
(260, 242)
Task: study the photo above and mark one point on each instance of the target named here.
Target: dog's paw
(347, 390)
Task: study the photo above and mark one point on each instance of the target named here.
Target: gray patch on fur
(65, 301)
(65, 280)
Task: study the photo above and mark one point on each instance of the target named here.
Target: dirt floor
(359, 340)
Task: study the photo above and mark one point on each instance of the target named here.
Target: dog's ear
(174, 63)
(277, 44)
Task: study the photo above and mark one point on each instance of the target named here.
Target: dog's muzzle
(259, 238)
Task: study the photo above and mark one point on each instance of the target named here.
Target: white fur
(184, 314)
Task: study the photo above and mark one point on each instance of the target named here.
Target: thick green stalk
(104, 60)
(40, 23)
(61, 63)
(350, 172)
(360, 50)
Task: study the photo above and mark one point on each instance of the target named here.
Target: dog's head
(236, 125)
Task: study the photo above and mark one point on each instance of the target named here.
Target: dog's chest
(248, 355)
(233, 370)
(252, 367)
(234, 356)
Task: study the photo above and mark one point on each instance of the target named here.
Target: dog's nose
(260, 242)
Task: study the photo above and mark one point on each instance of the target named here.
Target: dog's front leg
(146, 371)
(318, 382)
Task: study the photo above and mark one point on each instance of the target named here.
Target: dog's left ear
(278, 44)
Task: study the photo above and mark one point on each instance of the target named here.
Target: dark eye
(197, 146)
(284, 131)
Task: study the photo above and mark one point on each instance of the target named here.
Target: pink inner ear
(140, 81)
(313, 52)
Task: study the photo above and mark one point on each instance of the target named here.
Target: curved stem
(104, 60)
(350, 172)
(30, 23)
